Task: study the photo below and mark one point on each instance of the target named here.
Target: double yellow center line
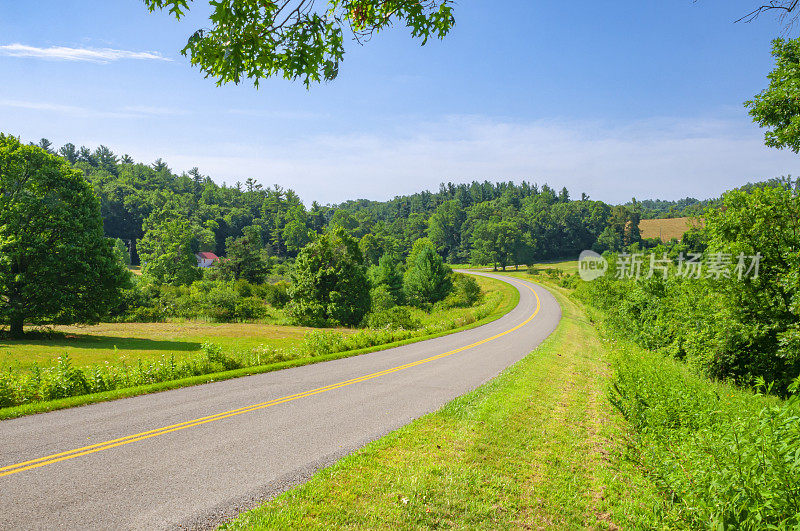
(99, 447)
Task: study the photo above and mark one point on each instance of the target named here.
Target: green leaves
(56, 266)
(778, 106)
(258, 39)
(427, 279)
(329, 282)
(166, 251)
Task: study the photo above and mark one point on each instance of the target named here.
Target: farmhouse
(205, 259)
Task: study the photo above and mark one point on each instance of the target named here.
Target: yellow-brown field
(667, 229)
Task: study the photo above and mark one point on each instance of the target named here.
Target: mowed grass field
(567, 267)
(116, 342)
(667, 229)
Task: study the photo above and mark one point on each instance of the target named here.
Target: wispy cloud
(133, 111)
(155, 111)
(70, 110)
(66, 53)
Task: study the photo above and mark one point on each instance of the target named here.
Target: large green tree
(497, 242)
(427, 279)
(764, 308)
(329, 281)
(444, 228)
(297, 39)
(56, 266)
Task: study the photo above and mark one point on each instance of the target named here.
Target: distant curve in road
(192, 457)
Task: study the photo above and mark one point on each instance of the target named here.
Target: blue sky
(640, 99)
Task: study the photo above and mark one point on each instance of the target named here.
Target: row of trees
(332, 285)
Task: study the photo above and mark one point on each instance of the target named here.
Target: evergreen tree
(427, 279)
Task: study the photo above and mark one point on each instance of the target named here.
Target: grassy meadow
(116, 342)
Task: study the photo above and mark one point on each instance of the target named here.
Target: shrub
(7, 394)
(397, 317)
(319, 342)
(146, 315)
(381, 298)
(250, 308)
(466, 292)
(276, 295)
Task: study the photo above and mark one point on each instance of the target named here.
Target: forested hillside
(484, 223)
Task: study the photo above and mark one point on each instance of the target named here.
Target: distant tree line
(156, 213)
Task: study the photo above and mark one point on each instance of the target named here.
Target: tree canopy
(778, 106)
(427, 279)
(56, 266)
(329, 282)
(257, 39)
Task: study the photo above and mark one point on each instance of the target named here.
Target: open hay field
(667, 229)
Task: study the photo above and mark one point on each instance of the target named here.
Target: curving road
(195, 456)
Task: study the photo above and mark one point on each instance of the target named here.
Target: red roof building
(206, 259)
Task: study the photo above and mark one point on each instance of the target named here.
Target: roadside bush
(466, 292)
(321, 342)
(381, 298)
(7, 395)
(397, 317)
(64, 380)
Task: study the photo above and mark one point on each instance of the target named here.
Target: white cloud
(66, 53)
(130, 111)
(69, 110)
(659, 158)
(154, 111)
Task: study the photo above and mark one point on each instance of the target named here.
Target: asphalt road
(192, 457)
